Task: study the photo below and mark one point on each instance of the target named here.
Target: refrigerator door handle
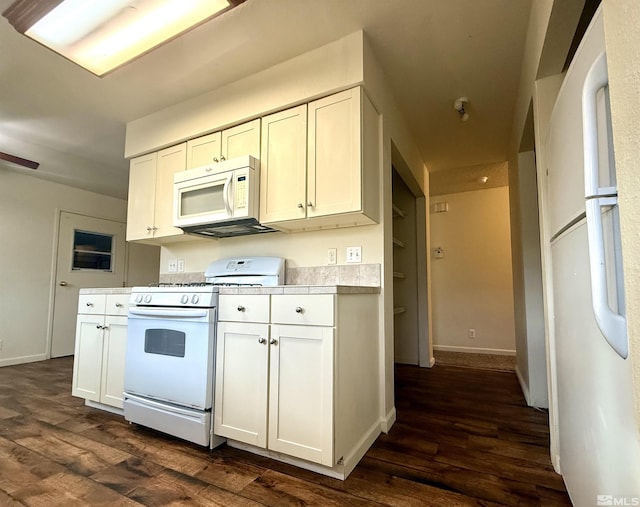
(612, 325)
(596, 79)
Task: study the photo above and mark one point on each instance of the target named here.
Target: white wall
(27, 218)
(535, 382)
(301, 249)
(472, 284)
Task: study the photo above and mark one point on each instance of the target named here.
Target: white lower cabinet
(101, 338)
(276, 381)
(301, 392)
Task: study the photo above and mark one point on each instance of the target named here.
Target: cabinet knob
(300, 205)
(310, 204)
(89, 303)
(222, 159)
(299, 309)
(241, 308)
(262, 340)
(208, 169)
(119, 305)
(105, 327)
(215, 159)
(149, 229)
(154, 228)
(98, 326)
(273, 341)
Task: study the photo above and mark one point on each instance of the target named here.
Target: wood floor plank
(463, 437)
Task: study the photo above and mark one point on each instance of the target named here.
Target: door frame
(54, 269)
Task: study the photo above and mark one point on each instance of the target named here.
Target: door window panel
(92, 251)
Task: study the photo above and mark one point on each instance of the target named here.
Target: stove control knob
(139, 298)
(184, 299)
(147, 298)
(194, 299)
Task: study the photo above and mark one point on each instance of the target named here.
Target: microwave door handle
(225, 195)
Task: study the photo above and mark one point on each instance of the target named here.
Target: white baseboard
(102, 406)
(523, 386)
(474, 350)
(387, 421)
(432, 362)
(353, 458)
(22, 360)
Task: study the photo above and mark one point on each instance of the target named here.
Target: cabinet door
(203, 150)
(240, 405)
(301, 392)
(142, 192)
(335, 151)
(87, 361)
(283, 165)
(113, 352)
(242, 140)
(170, 161)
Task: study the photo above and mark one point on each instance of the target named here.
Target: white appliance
(170, 357)
(219, 200)
(599, 442)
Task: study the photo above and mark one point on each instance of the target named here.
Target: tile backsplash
(367, 275)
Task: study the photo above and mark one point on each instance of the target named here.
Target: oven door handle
(168, 313)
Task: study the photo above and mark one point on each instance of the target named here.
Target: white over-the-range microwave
(219, 200)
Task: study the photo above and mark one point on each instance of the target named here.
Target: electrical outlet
(173, 266)
(354, 254)
(472, 333)
(181, 265)
(332, 256)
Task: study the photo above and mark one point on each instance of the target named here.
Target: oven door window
(165, 342)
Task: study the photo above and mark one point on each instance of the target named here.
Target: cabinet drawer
(244, 308)
(92, 304)
(117, 304)
(313, 310)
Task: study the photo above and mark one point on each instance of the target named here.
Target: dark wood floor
(463, 437)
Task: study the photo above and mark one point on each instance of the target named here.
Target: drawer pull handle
(241, 308)
(262, 340)
(273, 341)
(119, 305)
(299, 309)
(89, 303)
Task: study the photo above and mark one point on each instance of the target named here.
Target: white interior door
(91, 253)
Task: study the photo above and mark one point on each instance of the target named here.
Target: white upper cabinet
(283, 165)
(150, 206)
(334, 166)
(237, 141)
(331, 178)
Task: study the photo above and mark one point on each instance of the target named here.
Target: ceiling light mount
(460, 105)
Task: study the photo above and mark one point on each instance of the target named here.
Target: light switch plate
(354, 254)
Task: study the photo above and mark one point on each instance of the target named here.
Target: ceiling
(432, 51)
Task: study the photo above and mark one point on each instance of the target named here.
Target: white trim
(432, 362)
(102, 406)
(388, 420)
(22, 359)
(523, 386)
(361, 448)
(337, 472)
(474, 350)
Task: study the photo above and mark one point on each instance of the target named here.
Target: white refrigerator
(599, 441)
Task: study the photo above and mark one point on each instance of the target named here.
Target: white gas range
(170, 359)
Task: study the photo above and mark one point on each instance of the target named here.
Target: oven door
(170, 355)
(202, 199)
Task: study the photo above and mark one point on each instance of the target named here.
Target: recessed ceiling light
(101, 35)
